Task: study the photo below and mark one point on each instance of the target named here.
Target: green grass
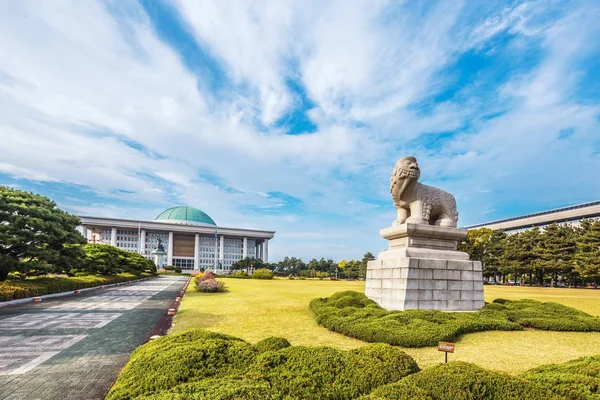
(254, 310)
(13, 289)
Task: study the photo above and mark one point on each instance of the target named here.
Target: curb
(166, 321)
(69, 293)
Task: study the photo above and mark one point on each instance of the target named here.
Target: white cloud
(95, 98)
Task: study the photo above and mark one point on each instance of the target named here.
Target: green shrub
(210, 286)
(325, 373)
(172, 360)
(39, 286)
(198, 364)
(272, 344)
(577, 379)
(239, 275)
(227, 388)
(169, 268)
(262, 273)
(462, 381)
(353, 314)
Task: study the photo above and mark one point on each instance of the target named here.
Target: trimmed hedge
(31, 287)
(354, 314)
(272, 344)
(262, 273)
(198, 364)
(462, 381)
(577, 379)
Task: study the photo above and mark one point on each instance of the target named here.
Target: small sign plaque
(447, 347)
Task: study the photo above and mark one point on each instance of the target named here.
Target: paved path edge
(69, 293)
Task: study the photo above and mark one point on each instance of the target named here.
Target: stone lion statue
(417, 203)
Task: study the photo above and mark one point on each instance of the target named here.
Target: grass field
(255, 309)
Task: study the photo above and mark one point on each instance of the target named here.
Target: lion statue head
(406, 171)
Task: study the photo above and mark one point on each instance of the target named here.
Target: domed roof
(185, 215)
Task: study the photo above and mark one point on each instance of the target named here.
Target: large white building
(191, 239)
(571, 215)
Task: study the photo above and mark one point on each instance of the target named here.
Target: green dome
(185, 215)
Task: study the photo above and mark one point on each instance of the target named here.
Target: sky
(290, 115)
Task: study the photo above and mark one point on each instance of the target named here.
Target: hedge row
(577, 379)
(353, 314)
(462, 381)
(198, 364)
(39, 286)
(204, 365)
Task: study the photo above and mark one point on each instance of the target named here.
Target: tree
(587, 256)
(34, 233)
(519, 253)
(492, 256)
(362, 273)
(248, 263)
(476, 243)
(555, 251)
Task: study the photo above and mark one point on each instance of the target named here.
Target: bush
(210, 286)
(239, 275)
(39, 286)
(577, 379)
(272, 344)
(198, 364)
(187, 357)
(169, 268)
(462, 381)
(353, 314)
(262, 273)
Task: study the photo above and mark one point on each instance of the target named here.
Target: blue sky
(290, 115)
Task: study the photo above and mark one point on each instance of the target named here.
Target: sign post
(446, 347)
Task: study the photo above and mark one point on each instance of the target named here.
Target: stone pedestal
(423, 270)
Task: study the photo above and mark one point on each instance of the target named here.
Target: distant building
(191, 239)
(571, 215)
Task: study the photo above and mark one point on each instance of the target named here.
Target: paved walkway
(74, 347)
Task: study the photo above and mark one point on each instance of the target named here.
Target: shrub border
(8, 303)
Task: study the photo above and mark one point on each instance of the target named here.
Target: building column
(170, 250)
(113, 237)
(216, 259)
(266, 250)
(221, 248)
(197, 252)
(245, 248)
(84, 232)
(142, 240)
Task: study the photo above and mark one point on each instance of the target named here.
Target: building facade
(190, 238)
(571, 215)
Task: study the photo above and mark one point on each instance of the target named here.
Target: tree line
(323, 268)
(558, 254)
(37, 238)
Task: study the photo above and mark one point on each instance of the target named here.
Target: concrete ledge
(69, 293)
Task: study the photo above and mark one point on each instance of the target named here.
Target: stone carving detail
(417, 203)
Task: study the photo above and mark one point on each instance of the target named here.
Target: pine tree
(35, 235)
(555, 251)
(587, 255)
(492, 256)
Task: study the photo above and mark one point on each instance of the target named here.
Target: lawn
(255, 309)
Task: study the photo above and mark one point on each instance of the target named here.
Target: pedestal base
(423, 270)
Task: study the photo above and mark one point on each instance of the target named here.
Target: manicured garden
(354, 314)
(199, 364)
(256, 309)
